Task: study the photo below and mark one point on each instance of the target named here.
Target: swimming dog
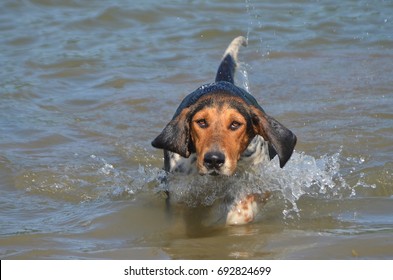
(220, 125)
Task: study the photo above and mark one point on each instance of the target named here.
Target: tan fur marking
(218, 135)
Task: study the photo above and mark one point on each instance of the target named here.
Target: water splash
(95, 178)
(254, 19)
(303, 175)
(242, 79)
(87, 178)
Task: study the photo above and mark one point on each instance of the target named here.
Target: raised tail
(226, 70)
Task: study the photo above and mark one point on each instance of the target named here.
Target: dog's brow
(208, 102)
(240, 107)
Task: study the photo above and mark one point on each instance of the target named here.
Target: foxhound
(220, 125)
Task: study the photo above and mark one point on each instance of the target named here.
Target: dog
(219, 126)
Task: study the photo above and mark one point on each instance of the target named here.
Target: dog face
(218, 127)
(220, 133)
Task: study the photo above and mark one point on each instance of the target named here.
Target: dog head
(217, 122)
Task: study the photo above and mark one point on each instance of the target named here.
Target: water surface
(86, 85)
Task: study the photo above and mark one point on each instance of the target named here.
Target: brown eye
(202, 123)
(235, 125)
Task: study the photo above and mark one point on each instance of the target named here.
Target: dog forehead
(220, 104)
(207, 95)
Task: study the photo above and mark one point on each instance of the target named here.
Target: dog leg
(245, 210)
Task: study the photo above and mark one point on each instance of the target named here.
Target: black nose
(214, 160)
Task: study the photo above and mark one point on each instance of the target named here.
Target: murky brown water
(86, 85)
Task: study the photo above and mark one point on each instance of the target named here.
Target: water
(86, 85)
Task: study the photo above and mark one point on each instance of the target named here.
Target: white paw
(243, 212)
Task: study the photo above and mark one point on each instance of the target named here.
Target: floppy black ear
(281, 138)
(176, 136)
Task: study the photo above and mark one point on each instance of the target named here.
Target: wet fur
(219, 126)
